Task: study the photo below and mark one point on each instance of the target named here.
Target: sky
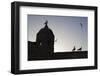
(69, 31)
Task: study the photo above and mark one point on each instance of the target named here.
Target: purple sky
(67, 30)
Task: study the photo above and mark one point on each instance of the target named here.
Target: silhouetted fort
(43, 48)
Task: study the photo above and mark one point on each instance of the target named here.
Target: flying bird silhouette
(81, 25)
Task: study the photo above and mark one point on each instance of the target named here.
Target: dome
(45, 40)
(46, 31)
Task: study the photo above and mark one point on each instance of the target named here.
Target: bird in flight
(81, 25)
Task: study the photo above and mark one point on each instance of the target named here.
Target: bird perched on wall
(80, 49)
(73, 49)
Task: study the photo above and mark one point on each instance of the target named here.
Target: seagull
(81, 25)
(73, 49)
(80, 49)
